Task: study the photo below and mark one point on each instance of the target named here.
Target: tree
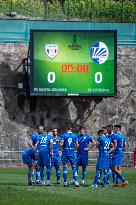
(45, 2)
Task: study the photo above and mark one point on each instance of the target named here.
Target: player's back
(30, 152)
(44, 142)
(69, 143)
(104, 146)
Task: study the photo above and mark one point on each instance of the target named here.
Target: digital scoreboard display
(73, 62)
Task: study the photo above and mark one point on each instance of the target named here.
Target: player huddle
(49, 149)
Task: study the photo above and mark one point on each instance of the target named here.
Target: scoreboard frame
(32, 93)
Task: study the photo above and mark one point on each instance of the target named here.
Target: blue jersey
(120, 138)
(28, 156)
(118, 154)
(56, 141)
(70, 140)
(83, 141)
(35, 138)
(31, 153)
(56, 159)
(112, 137)
(44, 142)
(104, 146)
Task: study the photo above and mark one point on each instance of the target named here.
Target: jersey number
(69, 141)
(43, 140)
(107, 145)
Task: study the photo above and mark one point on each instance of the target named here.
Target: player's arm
(51, 147)
(36, 144)
(112, 148)
(124, 146)
(29, 143)
(91, 145)
(114, 144)
(97, 145)
(60, 148)
(76, 142)
(76, 145)
(61, 142)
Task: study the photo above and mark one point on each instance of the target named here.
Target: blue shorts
(102, 163)
(44, 158)
(27, 159)
(117, 159)
(82, 160)
(55, 161)
(68, 159)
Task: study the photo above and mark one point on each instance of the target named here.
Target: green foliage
(85, 10)
(54, 9)
(77, 9)
(25, 7)
(13, 1)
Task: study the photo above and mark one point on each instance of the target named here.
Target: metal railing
(14, 158)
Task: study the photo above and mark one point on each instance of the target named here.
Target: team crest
(99, 52)
(51, 50)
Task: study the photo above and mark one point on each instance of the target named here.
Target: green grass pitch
(14, 190)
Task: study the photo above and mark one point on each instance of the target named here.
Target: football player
(105, 147)
(86, 143)
(29, 157)
(120, 145)
(56, 159)
(69, 142)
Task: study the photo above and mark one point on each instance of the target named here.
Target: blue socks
(114, 177)
(29, 170)
(65, 174)
(48, 173)
(75, 175)
(83, 172)
(121, 177)
(106, 175)
(42, 173)
(58, 173)
(97, 177)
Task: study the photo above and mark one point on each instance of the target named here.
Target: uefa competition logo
(99, 52)
(51, 50)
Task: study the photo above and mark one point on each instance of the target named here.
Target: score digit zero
(51, 77)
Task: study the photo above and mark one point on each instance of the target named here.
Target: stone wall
(19, 112)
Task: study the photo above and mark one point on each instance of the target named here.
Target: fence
(13, 158)
(82, 10)
(18, 31)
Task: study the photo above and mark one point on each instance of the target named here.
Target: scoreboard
(73, 62)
